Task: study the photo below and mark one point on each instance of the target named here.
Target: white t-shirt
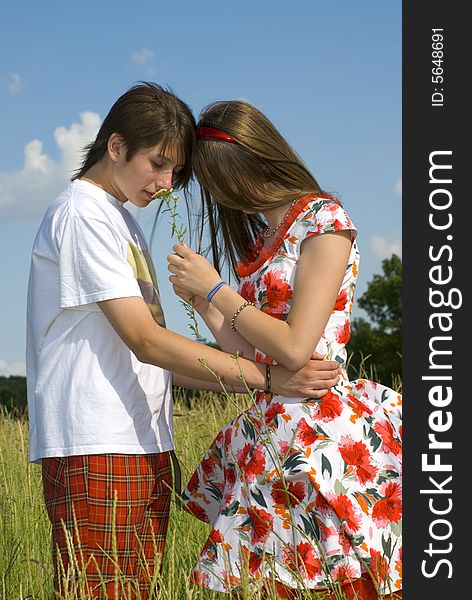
(87, 392)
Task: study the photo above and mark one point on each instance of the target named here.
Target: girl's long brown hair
(238, 181)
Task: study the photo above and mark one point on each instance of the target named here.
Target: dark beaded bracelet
(268, 386)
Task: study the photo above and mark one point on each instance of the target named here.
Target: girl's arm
(318, 278)
(132, 320)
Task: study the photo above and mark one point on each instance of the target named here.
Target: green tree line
(375, 345)
(13, 393)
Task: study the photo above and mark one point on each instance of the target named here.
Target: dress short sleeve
(322, 216)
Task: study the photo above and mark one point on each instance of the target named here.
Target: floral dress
(305, 491)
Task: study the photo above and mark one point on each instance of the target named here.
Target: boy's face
(148, 171)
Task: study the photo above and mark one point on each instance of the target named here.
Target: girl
(301, 492)
(100, 359)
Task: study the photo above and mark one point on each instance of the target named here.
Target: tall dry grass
(25, 559)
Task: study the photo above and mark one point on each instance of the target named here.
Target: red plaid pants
(115, 509)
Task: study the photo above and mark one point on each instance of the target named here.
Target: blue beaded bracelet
(213, 290)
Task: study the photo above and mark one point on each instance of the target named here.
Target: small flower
(344, 572)
(305, 434)
(278, 291)
(288, 493)
(378, 566)
(322, 505)
(389, 440)
(262, 523)
(230, 477)
(255, 466)
(162, 194)
(227, 499)
(209, 466)
(248, 291)
(283, 447)
(199, 578)
(242, 454)
(328, 408)
(216, 537)
(344, 542)
(358, 456)
(389, 508)
(251, 465)
(253, 560)
(194, 482)
(273, 410)
(341, 300)
(197, 511)
(304, 560)
(346, 513)
(343, 333)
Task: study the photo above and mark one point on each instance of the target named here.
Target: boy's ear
(116, 147)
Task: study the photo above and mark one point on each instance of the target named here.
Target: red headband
(210, 133)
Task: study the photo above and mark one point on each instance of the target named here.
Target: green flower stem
(179, 230)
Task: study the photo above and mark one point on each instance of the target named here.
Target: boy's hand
(311, 381)
(196, 301)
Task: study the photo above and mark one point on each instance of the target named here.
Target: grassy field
(25, 563)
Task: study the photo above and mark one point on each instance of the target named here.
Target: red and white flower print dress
(305, 491)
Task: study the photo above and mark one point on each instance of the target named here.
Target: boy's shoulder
(81, 199)
(78, 201)
(88, 200)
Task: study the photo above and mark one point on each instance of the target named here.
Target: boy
(99, 358)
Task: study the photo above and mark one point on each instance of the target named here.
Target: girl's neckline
(257, 255)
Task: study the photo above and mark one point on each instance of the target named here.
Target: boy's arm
(153, 344)
(229, 341)
(208, 386)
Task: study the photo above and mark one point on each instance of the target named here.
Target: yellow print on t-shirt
(145, 274)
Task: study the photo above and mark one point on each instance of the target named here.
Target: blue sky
(328, 74)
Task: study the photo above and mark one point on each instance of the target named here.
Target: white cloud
(17, 368)
(143, 56)
(383, 248)
(25, 193)
(398, 187)
(145, 59)
(14, 84)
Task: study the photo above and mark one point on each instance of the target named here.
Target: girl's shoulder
(309, 216)
(321, 214)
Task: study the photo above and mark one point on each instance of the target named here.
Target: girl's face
(138, 179)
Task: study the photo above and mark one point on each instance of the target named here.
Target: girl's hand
(191, 271)
(196, 301)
